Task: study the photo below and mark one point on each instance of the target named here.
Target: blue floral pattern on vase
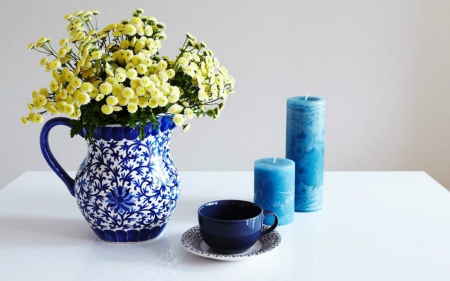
(127, 188)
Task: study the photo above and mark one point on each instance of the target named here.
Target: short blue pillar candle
(275, 188)
(305, 140)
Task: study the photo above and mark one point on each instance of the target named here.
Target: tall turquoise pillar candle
(305, 140)
(275, 188)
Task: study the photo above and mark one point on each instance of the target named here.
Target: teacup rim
(230, 200)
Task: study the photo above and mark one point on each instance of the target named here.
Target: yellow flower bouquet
(117, 76)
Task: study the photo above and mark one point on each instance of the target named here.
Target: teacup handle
(274, 225)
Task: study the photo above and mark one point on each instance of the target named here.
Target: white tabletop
(374, 226)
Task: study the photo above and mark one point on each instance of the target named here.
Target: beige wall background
(383, 66)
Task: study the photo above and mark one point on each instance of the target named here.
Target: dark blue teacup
(232, 226)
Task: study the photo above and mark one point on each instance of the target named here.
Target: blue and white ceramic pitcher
(126, 187)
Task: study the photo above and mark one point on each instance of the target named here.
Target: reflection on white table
(374, 226)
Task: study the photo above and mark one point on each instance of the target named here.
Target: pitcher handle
(48, 155)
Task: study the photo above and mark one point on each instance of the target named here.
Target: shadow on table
(151, 260)
(26, 227)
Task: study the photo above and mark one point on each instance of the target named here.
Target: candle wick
(306, 98)
(274, 159)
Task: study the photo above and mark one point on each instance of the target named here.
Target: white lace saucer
(192, 241)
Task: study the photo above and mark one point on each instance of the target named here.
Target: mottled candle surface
(305, 141)
(275, 188)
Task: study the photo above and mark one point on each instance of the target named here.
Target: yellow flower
(117, 33)
(63, 94)
(127, 55)
(141, 69)
(143, 102)
(147, 62)
(63, 41)
(218, 80)
(111, 80)
(196, 57)
(175, 108)
(145, 81)
(174, 97)
(162, 101)
(153, 49)
(34, 94)
(86, 87)
(148, 31)
(68, 76)
(109, 72)
(106, 88)
(134, 83)
(130, 30)
(107, 109)
(54, 86)
(30, 106)
(132, 107)
(70, 89)
(99, 97)
(96, 55)
(183, 61)
(43, 92)
(70, 99)
(140, 91)
(162, 65)
(153, 102)
(127, 93)
(117, 89)
(120, 76)
(170, 73)
(37, 118)
(123, 101)
(165, 88)
(55, 75)
(111, 26)
(124, 44)
(76, 83)
(55, 64)
(155, 93)
(112, 100)
(53, 110)
(69, 109)
(68, 17)
(202, 95)
(155, 79)
(136, 21)
(43, 61)
(83, 98)
(133, 41)
(189, 113)
(150, 86)
(30, 116)
(65, 60)
(190, 36)
(178, 119)
(24, 120)
(131, 73)
(163, 76)
(42, 40)
(139, 46)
